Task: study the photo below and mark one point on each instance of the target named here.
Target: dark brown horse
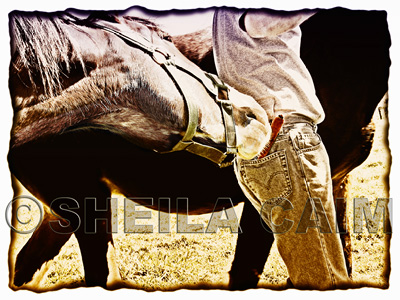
(94, 100)
(349, 62)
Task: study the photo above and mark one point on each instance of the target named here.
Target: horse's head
(103, 71)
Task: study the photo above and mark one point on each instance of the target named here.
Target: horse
(343, 77)
(95, 97)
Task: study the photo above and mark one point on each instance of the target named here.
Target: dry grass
(173, 260)
(370, 250)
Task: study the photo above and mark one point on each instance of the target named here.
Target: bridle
(212, 84)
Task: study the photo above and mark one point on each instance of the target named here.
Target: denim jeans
(292, 189)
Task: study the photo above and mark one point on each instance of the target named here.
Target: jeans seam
(320, 237)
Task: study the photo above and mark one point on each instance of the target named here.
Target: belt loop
(300, 140)
(315, 128)
(293, 137)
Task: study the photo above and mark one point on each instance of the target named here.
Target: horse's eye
(167, 37)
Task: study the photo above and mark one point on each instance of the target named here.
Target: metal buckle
(161, 57)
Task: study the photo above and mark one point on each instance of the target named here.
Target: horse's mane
(41, 45)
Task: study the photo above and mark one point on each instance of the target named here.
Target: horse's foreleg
(43, 246)
(89, 211)
(252, 250)
(95, 233)
(94, 247)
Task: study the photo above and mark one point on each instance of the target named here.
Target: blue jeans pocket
(268, 178)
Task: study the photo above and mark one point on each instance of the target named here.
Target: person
(258, 53)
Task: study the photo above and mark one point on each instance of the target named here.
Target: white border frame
(6, 121)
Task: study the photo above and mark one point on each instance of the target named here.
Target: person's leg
(291, 188)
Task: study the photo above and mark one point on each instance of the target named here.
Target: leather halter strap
(212, 84)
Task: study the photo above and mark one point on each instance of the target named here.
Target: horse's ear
(151, 25)
(104, 16)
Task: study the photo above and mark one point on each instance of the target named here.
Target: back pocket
(268, 178)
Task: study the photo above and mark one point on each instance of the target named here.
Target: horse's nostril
(251, 115)
(244, 115)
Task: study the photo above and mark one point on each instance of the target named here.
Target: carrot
(275, 128)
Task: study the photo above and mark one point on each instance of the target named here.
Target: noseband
(212, 84)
